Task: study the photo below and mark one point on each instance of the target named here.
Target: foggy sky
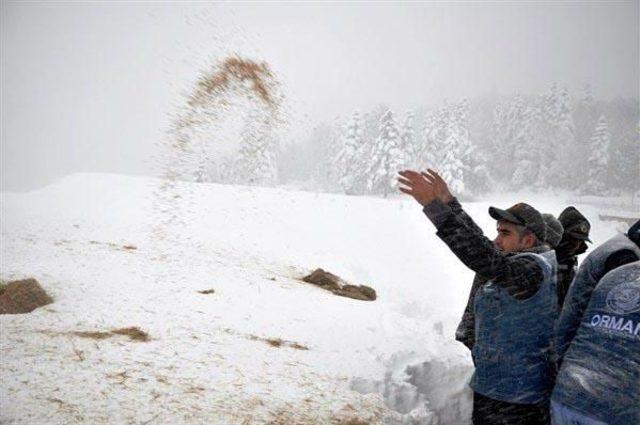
(92, 86)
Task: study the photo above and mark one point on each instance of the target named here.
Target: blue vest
(551, 257)
(591, 271)
(600, 374)
(512, 352)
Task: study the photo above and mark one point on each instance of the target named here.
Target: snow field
(117, 251)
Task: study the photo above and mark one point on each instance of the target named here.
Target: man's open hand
(425, 187)
(415, 184)
(442, 190)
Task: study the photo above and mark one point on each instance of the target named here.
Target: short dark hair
(524, 231)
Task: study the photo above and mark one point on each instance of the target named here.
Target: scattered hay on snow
(347, 415)
(22, 296)
(336, 285)
(273, 342)
(134, 333)
(279, 342)
(93, 334)
(207, 291)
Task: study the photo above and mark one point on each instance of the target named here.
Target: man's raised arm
(521, 276)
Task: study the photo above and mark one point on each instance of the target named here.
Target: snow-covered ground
(117, 251)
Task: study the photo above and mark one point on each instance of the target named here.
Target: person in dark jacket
(465, 333)
(514, 306)
(466, 328)
(554, 235)
(599, 381)
(617, 251)
(555, 230)
(573, 243)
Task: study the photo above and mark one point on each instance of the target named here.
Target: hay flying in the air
(257, 77)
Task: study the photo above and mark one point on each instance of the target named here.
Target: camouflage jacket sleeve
(520, 276)
(466, 330)
(456, 208)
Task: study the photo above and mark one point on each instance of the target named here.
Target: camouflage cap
(524, 215)
(575, 224)
(554, 230)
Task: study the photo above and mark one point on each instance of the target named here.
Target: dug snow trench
(232, 334)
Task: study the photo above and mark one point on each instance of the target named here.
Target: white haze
(93, 86)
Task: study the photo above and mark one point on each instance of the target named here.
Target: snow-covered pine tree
(475, 171)
(334, 148)
(624, 162)
(628, 166)
(408, 140)
(596, 183)
(430, 147)
(387, 158)
(348, 162)
(546, 129)
(556, 139)
(500, 140)
(587, 96)
(257, 157)
(457, 148)
(479, 180)
(446, 144)
(526, 154)
(322, 144)
(465, 149)
(226, 170)
(585, 118)
(624, 150)
(201, 175)
(564, 143)
(371, 124)
(507, 127)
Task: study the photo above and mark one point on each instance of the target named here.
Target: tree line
(547, 141)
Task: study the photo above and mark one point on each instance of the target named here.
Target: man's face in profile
(509, 237)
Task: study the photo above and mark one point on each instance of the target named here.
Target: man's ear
(529, 240)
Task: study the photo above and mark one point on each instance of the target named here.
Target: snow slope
(117, 251)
